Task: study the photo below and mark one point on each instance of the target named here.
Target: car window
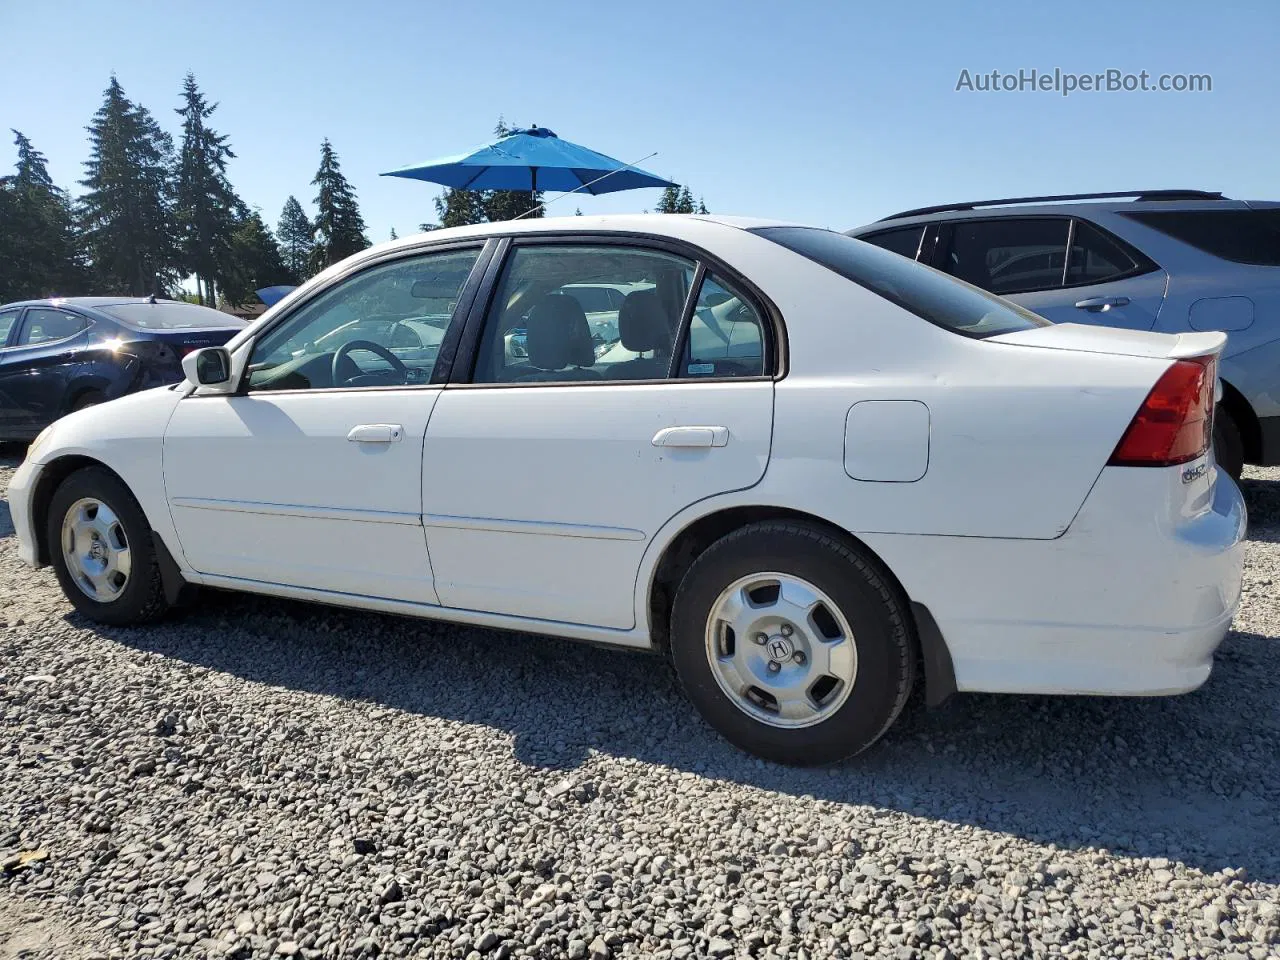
(43, 325)
(381, 327)
(7, 319)
(904, 240)
(593, 299)
(537, 329)
(1096, 257)
(914, 287)
(726, 334)
(1244, 236)
(1007, 255)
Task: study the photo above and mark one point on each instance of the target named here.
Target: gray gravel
(266, 778)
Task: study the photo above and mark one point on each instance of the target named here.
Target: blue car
(61, 355)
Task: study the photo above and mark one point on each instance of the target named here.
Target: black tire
(1228, 446)
(877, 614)
(90, 398)
(142, 599)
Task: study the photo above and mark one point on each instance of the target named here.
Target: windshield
(928, 293)
(170, 315)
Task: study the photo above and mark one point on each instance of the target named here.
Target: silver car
(1166, 260)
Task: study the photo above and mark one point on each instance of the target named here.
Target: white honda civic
(809, 470)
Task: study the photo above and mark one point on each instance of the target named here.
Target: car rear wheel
(101, 548)
(1228, 446)
(90, 398)
(794, 645)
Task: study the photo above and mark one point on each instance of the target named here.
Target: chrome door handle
(691, 437)
(376, 433)
(1102, 304)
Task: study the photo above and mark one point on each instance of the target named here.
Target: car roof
(1064, 205)
(91, 303)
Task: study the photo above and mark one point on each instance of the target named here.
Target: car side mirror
(208, 367)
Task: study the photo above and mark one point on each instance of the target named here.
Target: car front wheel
(101, 549)
(794, 645)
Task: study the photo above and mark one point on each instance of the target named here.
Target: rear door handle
(691, 437)
(1102, 304)
(376, 433)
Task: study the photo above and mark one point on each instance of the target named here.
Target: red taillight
(1175, 422)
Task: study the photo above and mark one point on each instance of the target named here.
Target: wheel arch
(683, 547)
(52, 475)
(1245, 419)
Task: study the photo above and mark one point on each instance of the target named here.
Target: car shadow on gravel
(1193, 778)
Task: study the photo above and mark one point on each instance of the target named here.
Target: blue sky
(826, 112)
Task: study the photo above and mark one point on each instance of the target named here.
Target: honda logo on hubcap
(780, 649)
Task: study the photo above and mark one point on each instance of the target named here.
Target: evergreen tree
(457, 208)
(39, 249)
(677, 199)
(702, 207)
(126, 210)
(394, 235)
(294, 232)
(255, 261)
(339, 228)
(207, 210)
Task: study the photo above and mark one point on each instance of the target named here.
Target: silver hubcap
(96, 549)
(781, 650)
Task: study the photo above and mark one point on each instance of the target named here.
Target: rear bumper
(1133, 600)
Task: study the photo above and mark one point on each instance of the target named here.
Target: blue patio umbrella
(533, 159)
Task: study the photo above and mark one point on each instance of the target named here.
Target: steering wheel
(397, 367)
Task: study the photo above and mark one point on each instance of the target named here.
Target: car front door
(311, 475)
(37, 369)
(1103, 280)
(547, 474)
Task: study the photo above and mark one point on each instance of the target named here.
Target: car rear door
(1025, 258)
(37, 369)
(545, 477)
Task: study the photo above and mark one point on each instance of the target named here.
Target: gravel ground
(270, 778)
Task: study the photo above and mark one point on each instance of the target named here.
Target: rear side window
(904, 240)
(7, 319)
(1008, 255)
(44, 325)
(1243, 236)
(919, 289)
(1096, 258)
(726, 334)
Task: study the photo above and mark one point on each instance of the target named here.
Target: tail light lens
(1175, 422)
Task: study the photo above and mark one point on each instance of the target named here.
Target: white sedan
(815, 473)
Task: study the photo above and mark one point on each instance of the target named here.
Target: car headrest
(557, 334)
(643, 323)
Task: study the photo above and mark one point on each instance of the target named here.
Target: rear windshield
(926, 292)
(170, 316)
(1245, 236)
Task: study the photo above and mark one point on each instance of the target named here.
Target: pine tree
(294, 233)
(255, 261)
(394, 235)
(126, 210)
(207, 210)
(339, 228)
(702, 207)
(39, 249)
(457, 208)
(677, 199)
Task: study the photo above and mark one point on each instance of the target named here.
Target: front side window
(7, 319)
(1008, 255)
(914, 287)
(904, 240)
(44, 325)
(573, 313)
(726, 334)
(381, 327)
